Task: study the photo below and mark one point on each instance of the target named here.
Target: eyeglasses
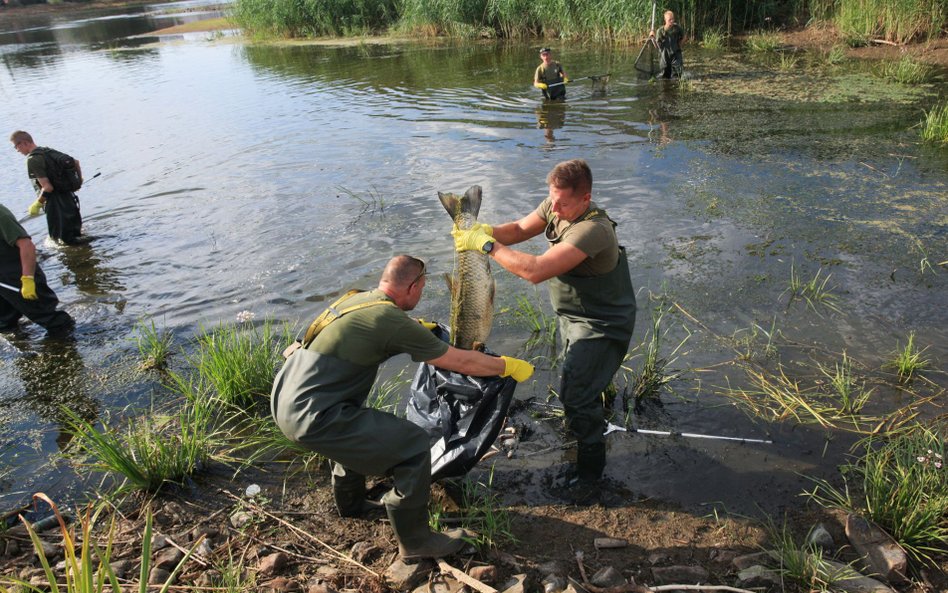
(17, 144)
(421, 274)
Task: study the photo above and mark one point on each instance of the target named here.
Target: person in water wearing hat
(550, 77)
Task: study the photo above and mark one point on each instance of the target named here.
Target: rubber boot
(416, 541)
(590, 461)
(349, 494)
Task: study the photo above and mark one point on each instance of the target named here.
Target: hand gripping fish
(471, 285)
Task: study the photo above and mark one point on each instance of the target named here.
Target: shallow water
(238, 176)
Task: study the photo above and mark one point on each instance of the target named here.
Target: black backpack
(62, 171)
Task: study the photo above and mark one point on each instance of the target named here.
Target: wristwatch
(488, 247)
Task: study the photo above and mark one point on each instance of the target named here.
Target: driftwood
(885, 42)
(465, 578)
(609, 542)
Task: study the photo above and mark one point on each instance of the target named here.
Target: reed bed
(906, 71)
(935, 126)
(898, 21)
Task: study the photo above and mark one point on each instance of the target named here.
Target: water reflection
(551, 115)
(87, 267)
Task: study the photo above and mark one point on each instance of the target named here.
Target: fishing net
(599, 84)
(463, 415)
(648, 62)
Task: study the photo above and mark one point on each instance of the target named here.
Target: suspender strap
(333, 312)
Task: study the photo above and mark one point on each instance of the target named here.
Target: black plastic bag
(463, 416)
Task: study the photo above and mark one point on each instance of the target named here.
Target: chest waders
(317, 401)
(596, 318)
(42, 311)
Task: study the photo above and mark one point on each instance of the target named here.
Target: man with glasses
(591, 292)
(318, 401)
(63, 219)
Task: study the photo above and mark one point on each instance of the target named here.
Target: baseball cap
(545, 50)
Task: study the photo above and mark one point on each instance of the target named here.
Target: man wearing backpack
(55, 177)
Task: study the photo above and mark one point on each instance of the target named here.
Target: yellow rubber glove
(565, 79)
(484, 227)
(471, 240)
(28, 288)
(541, 85)
(35, 208)
(519, 370)
(429, 325)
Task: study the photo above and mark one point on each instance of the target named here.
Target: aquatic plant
(835, 56)
(484, 514)
(87, 568)
(813, 291)
(801, 565)
(852, 396)
(542, 327)
(714, 39)
(899, 21)
(906, 71)
(154, 346)
(373, 202)
(310, 18)
(654, 374)
(935, 126)
(902, 486)
(748, 344)
(238, 362)
(788, 62)
(762, 42)
(148, 451)
(908, 361)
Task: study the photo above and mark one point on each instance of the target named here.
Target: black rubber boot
(416, 541)
(590, 461)
(348, 492)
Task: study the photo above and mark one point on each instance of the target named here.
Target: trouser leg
(41, 311)
(9, 316)
(588, 368)
(63, 218)
(349, 493)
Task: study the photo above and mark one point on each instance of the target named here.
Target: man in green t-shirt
(550, 77)
(591, 292)
(63, 219)
(18, 268)
(318, 401)
(669, 40)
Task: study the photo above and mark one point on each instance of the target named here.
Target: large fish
(472, 286)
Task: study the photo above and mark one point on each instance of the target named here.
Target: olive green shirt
(595, 236)
(374, 334)
(10, 232)
(549, 74)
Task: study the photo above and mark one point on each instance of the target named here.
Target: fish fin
(472, 200)
(479, 346)
(451, 203)
(450, 282)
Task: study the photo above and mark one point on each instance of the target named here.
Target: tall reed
(935, 126)
(899, 21)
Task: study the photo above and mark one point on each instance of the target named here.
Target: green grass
(901, 485)
(935, 126)
(835, 56)
(788, 62)
(801, 566)
(908, 361)
(814, 291)
(532, 318)
(756, 343)
(485, 515)
(850, 393)
(714, 39)
(154, 346)
(86, 567)
(385, 395)
(899, 21)
(762, 42)
(373, 201)
(148, 451)
(905, 71)
(654, 373)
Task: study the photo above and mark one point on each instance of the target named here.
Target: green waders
(317, 401)
(597, 316)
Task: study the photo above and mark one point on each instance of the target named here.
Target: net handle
(653, 16)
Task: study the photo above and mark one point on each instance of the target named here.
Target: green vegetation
(802, 566)
(762, 42)
(813, 291)
(901, 485)
(385, 395)
(935, 126)
(153, 345)
(750, 344)
(484, 514)
(908, 361)
(906, 71)
(894, 20)
(655, 374)
(86, 569)
(850, 394)
(714, 39)
(542, 327)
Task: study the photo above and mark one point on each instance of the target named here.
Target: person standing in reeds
(550, 76)
(669, 39)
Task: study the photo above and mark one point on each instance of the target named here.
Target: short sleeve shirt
(549, 74)
(374, 334)
(36, 167)
(595, 236)
(10, 232)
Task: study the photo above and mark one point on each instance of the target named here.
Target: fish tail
(469, 203)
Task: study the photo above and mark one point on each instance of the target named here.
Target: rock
(658, 558)
(272, 564)
(680, 575)
(407, 576)
(443, 584)
(327, 573)
(320, 588)
(551, 567)
(553, 583)
(820, 537)
(363, 551)
(158, 542)
(485, 574)
(757, 576)
(881, 554)
(722, 556)
(282, 585)
(853, 582)
(158, 576)
(169, 559)
(607, 576)
(12, 548)
(517, 584)
(121, 568)
(40, 582)
(204, 548)
(205, 531)
(208, 578)
(51, 551)
(748, 560)
(240, 519)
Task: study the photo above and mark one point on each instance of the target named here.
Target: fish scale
(471, 284)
